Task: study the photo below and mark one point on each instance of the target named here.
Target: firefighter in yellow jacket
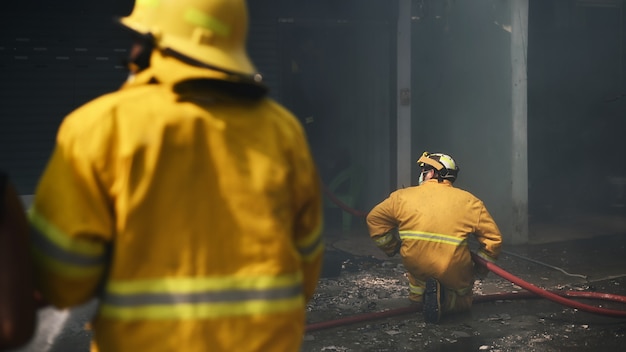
(429, 225)
(187, 202)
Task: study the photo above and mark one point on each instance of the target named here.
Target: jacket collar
(168, 70)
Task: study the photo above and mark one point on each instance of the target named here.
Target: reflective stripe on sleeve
(311, 245)
(67, 270)
(433, 237)
(62, 240)
(62, 254)
(176, 298)
(384, 239)
(485, 256)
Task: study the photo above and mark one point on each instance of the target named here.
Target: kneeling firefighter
(429, 225)
(187, 202)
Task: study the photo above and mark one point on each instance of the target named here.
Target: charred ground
(359, 281)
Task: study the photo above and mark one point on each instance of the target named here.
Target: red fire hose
(557, 298)
(341, 204)
(533, 292)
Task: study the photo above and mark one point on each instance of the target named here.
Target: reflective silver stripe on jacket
(227, 296)
(433, 237)
(55, 252)
(202, 297)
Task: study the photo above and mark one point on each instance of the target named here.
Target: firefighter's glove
(480, 271)
(389, 243)
(396, 250)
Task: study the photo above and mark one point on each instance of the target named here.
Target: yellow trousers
(453, 300)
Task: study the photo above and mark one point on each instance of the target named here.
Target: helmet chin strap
(443, 173)
(139, 59)
(243, 78)
(441, 170)
(421, 178)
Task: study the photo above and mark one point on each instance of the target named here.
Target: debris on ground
(365, 284)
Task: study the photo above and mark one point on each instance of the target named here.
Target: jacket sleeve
(309, 216)
(382, 226)
(72, 217)
(488, 235)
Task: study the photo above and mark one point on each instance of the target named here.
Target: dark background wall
(54, 56)
(316, 56)
(576, 106)
(333, 64)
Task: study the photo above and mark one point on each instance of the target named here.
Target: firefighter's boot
(432, 301)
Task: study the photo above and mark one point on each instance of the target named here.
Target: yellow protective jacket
(433, 221)
(193, 217)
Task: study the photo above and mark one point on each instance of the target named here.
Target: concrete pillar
(403, 160)
(519, 108)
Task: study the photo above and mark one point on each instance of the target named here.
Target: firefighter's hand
(395, 250)
(392, 251)
(389, 242)
(394, 246)
(480, 271)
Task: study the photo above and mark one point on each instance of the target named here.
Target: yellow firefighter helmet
(446, 167)
(211, 32)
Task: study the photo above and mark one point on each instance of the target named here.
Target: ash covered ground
(356, 285)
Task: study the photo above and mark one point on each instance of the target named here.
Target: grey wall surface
(461, 89)
(462, 97)
(336, 74)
